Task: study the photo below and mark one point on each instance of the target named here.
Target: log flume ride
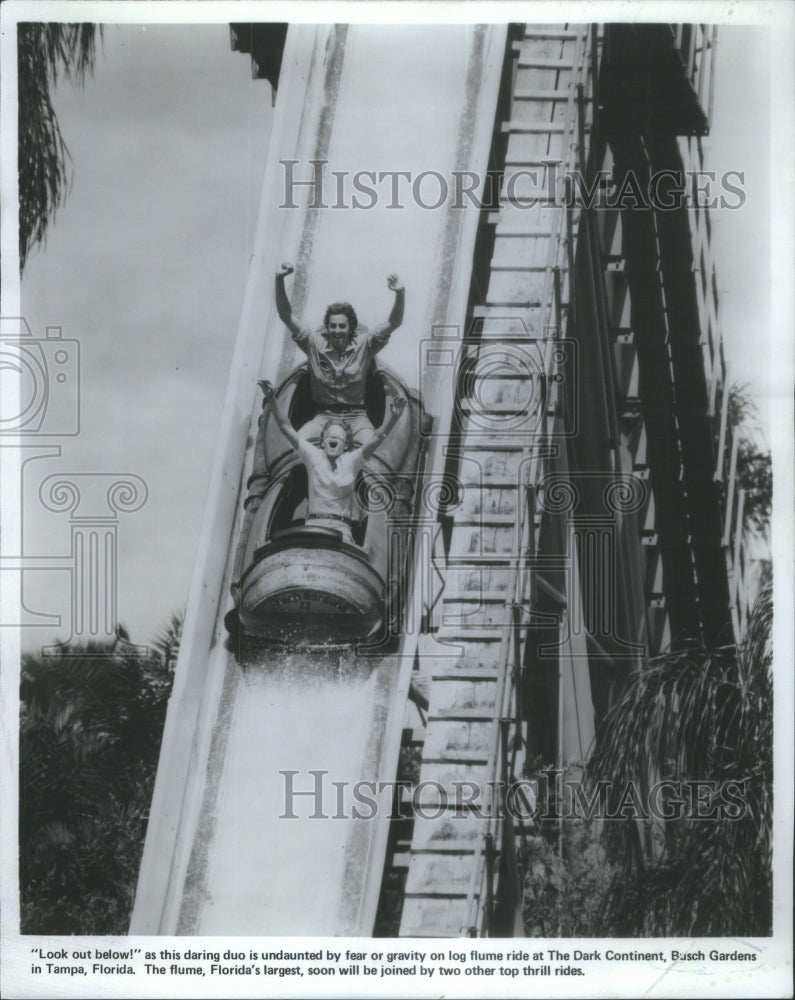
(301, 585)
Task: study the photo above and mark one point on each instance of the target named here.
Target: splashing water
(278, 858)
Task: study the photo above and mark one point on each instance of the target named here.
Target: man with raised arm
(340, 355)
(333, 465)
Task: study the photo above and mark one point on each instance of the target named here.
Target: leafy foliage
(754, 466)
(742, 409)
(91, 723)
(167, 641)
(564, 883)
(562, 862)
(46, 53)
(755, 476)
(409, 763)
(694, 715)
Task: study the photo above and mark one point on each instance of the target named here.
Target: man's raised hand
(394, 283)
(285, 269)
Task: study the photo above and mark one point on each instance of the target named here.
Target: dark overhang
(265, 44)
(645, 81)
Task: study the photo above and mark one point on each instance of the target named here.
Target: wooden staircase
(504, 440)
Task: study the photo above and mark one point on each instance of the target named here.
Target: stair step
(462, 715)
(495, 378)
(439, 874)
(517, 234)
(462, 697)
(503, 560)
(484, 520)
(451, 845)
(546, 95)
(503, 374)
(467, 726)
(531, 31)
(476, 596)
(517, 127)
(494, 411)
(434, 918)
(471, 542)
(528, 61)
(518, 325)
(531, 200)
(454, 832)
(476, 676)
(506, 444)
(519, 267)
(500, 219)
(490, 311)
(460, 634)
(524, 304)
(477, 581)
(493, 483)
(541, 95)
(435, 894)
(476, 758)
(487, 616)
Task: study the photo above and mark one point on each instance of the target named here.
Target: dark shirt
(339, 379)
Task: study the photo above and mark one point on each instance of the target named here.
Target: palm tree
(754, 465)
(91, 723)
(694, 715)
(755, 476)
(46, 53)
(168, 640)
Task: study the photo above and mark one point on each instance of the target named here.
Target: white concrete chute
(221, 855)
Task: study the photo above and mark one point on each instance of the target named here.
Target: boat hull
(309, 595)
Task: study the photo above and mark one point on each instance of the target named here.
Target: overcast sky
(740, 140)
(147, 262)
(146, 266)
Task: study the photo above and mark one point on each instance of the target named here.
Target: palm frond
(694, 715)
(46, 53)
(167, 641)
